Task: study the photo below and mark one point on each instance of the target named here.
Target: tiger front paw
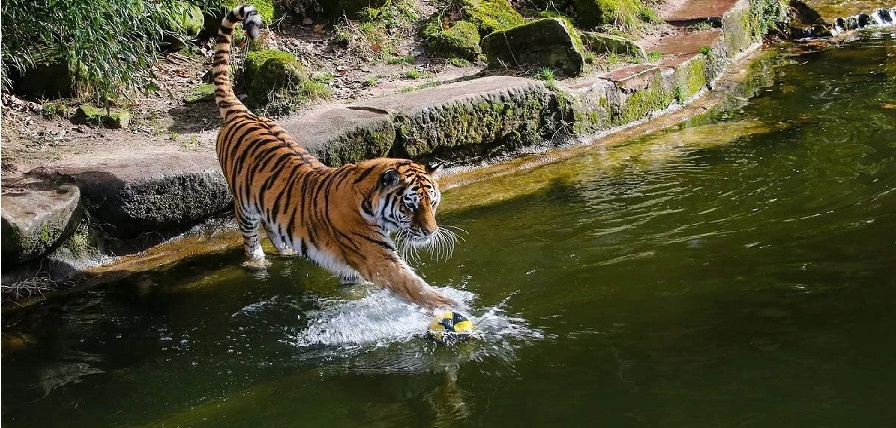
(436, 300)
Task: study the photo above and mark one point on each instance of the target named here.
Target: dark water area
(737, 271)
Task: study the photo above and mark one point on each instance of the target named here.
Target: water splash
(382, 333)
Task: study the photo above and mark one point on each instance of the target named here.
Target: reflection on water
(738, 271)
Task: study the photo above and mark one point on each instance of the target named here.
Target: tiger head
(404, 201)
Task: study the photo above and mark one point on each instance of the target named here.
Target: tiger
(340, 218)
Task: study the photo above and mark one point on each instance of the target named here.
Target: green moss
(492, 15)
(53, 109)
(689, 79)
(45, 234)
(200, 93)
(461, 40)
(573, 34)
(696, 78)
(109, 118)
(545, 42)
(400, 60)
(640, 103)
(625, 14)
(273, 76)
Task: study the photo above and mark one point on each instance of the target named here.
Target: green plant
(458, 62)
(322, 77)
(371, 81)
(705, 50)
(700, 26)
(590, 57)
(53, 109)
(190, 143)
(544, 73)
(649, 15)
(431, 84)
(400, 60)
(108, 44)
(766, 16)
(653, 56)
(415, 74)
(626, 15)
(314, 90)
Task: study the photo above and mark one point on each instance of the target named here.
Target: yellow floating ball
(450, 326)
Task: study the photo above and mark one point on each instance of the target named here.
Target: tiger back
(340, 218)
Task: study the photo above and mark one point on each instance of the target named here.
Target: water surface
(739, 271)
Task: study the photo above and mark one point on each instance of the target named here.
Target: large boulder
(548, 42)
(149, 192)
(273, 76)
(36, 217)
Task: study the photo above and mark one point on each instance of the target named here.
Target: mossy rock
(491, 15)
(200, 93)
(272, 75)
(112, 118)
(461, 40)
(608, 43)
(593, 13)
(35, 220)
(548, 42)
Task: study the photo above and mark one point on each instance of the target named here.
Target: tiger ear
(434, 168)
(389, 178)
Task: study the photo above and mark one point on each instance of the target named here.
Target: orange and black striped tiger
(341, 218)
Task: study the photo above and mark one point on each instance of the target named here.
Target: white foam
(371, 334)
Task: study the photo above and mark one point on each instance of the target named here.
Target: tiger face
(408, 202)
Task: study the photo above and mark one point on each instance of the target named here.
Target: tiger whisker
(440, 245)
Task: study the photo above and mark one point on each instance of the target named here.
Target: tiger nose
(426, 226)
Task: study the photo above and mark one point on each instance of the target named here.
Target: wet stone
(36, 217)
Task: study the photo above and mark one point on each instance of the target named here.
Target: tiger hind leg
(278, 241)
(248, 224)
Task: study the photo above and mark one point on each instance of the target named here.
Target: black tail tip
(252, 29)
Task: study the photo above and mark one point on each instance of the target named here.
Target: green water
(738, 272)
